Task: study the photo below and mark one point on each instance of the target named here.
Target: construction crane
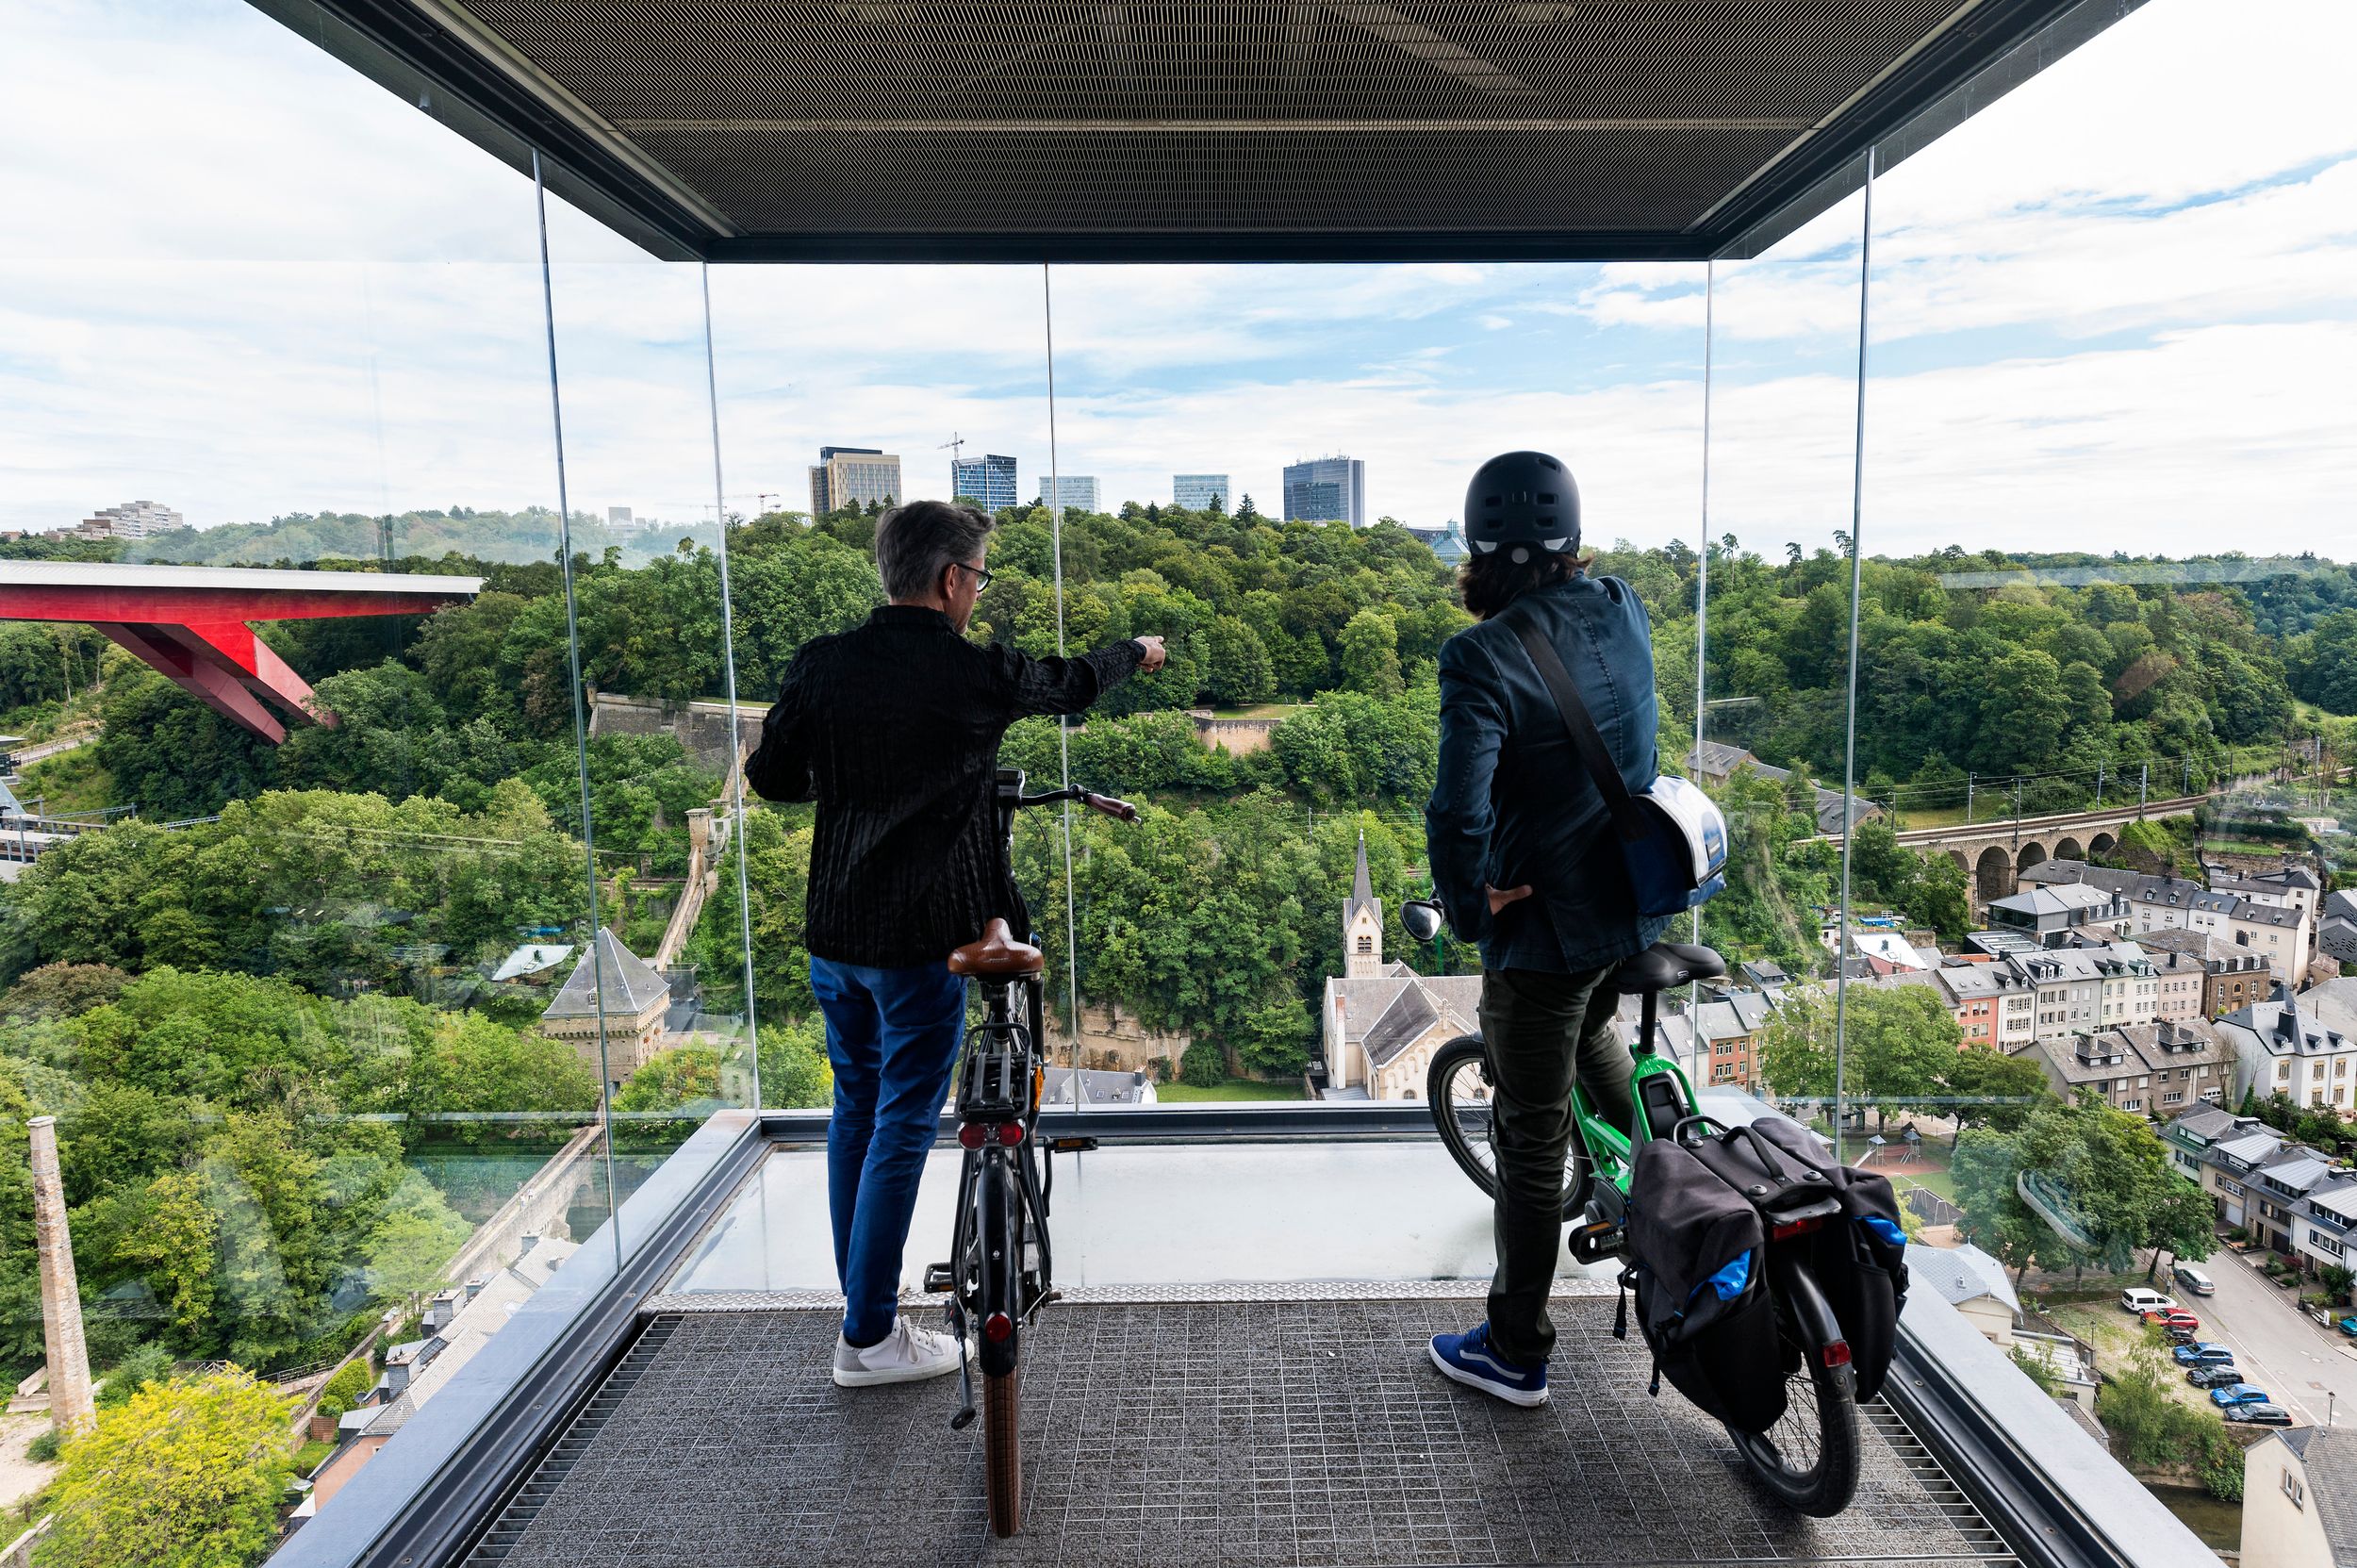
(955, 446)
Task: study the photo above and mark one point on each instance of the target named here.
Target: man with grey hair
(893, 729)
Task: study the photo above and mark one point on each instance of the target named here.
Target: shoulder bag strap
(1586, 740)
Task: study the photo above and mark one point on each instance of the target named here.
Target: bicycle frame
(1001, 1198)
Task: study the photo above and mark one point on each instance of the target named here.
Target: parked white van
(2142, 1300)
(2194, 1282)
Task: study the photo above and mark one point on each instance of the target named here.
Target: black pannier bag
(1697, 1269)
(1860, 1258)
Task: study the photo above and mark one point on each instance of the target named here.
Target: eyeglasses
(981, 579)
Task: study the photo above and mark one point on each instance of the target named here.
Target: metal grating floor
(1210, 1434)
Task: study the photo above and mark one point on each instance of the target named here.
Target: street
(2274, 1344)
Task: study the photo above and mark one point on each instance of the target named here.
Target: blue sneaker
(1472, 1360)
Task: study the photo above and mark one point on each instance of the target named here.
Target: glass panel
(650, 544)
(297, 896)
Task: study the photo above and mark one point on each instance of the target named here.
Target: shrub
(44, 1447)
(149, 1363)
(1204, 1065)
(344, 1389)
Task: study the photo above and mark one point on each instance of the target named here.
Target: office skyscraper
(853, 477)
(1075, 492)
(988, 481)
(1196, 491)
(1327, 489)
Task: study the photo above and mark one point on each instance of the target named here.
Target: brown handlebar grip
(1111, 807)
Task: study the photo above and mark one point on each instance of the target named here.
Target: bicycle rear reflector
(998, 1326)
(1837, 1353)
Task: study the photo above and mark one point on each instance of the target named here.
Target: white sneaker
(907, 1355)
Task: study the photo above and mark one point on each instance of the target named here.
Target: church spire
(1362, 885)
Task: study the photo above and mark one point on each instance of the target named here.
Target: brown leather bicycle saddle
(998, 954)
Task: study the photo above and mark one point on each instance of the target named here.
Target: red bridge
(192, 622)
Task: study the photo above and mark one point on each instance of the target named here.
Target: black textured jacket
(893, 729)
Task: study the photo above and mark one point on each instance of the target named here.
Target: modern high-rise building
(853, 477)
(1074, 492)
(988, 480)
(133, 519)
(1198, 492)
(1327, 489)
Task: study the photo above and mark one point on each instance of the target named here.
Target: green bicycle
(1809, 1458)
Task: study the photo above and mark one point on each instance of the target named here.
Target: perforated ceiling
(1060, 129)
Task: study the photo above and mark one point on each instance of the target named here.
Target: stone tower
(1362, 923)
(70, 1406)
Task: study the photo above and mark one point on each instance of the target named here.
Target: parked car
(2348, 1327)
(2260, 1415)
(2138, 1299)
(2239, 1393)
(2204, 1353)
(2219, 1375)
(2172, 1317)
(2180, 1336)
(2193, 1282)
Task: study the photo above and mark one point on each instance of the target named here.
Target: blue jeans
(892, 1035)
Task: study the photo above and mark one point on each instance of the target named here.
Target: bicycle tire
(1458, 1093)
(1002, 1453)
(1821, 1414)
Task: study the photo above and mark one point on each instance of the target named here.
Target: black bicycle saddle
(1664, 965)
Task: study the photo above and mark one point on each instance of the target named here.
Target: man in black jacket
(893, 729)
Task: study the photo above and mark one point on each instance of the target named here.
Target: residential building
(988, 481)
(1975, 1284)
(458, 1323)
(1327, 489)
(847, 476)
(1199, 492)
(2231, 977)
(2291, 885)
(2056, 916)
(618, 517)
(2230, 1174)
(2081, 990)
(1074, 492)
(2279, 1189)
(2277, 932)
(2181, 979)
(2059, 872)
(2191, 1064)
(2294, 1047)
(2190, 1137)
(1095, 1087)
(133, 519)
(1382, 1022)
(2336, 928)
(2104, 1062)
(1995, 1004)
(1715, 762)
(2322, 1224)
(2300, 1499)
(1724, 1027)
(635, 998)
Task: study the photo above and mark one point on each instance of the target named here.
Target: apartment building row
(2271, 916)
(2297, 1200)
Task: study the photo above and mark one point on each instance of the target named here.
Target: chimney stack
(71, 1409)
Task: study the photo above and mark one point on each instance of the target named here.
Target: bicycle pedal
(1071, 1145)
(938, 1278)
(1594, 1242)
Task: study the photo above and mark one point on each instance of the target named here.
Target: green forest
(251, 1002)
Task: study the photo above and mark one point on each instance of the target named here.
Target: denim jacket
(1512, 803)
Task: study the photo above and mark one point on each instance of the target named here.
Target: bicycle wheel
(1809, 1458)
(997, 1217)
(1458, 1085)
(1002, 1453)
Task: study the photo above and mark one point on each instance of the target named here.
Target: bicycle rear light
(1010, 1133)
(1837, 1353)
(1785, 1229)
(998, 1326)
(973, 1135)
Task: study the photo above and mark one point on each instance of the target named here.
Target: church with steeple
(1382, 1022)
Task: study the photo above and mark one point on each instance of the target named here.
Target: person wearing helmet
(1525, 864)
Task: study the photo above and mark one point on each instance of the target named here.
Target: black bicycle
(1000, 1270)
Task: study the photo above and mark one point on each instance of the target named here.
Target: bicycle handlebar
(1120, 810)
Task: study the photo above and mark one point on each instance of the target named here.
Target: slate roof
(1098, 1087)
(2207, 1125)
(1715, 759)
(632, 984)
(2061, 872)
(2330, 1461)
(1361, 887)
(1387, 1012)
(2279, 1029)
(1962, 1274)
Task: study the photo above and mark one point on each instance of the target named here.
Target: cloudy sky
(2118, 310)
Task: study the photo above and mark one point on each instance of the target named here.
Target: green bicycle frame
(1614, 1150)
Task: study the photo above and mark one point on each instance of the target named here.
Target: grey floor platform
(1208, 1434)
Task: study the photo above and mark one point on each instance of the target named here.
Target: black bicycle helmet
(1522, 501)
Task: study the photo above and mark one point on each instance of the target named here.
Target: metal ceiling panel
(1170, 129)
